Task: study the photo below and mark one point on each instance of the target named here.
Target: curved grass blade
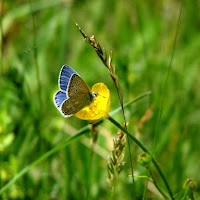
(147, 151)
(61, 146)
(43, 157)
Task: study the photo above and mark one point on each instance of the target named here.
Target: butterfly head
(94, 94)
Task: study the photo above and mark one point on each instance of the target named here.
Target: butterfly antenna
(101, 95)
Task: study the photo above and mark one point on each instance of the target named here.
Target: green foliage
(38, 37)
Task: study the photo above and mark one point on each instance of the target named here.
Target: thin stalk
(144, 177)
(1, 38)
(185, 194)
(124, 117)
(88, 183)
(147, 151)
(129, 146)
(162, 101)
(158, 187)
(1, 69)
(35, 55)
(152, 179)
(145, 190)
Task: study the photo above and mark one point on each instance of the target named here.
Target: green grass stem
(35, 54)
(147, 151)
(162, 101)
(1, 38)
(158, 187)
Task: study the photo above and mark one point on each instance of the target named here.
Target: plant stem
(1, 70)
(163, 88)
(145, 190)
(35, 55)
(157, 186)
(185, 194)
(1, 38)
(129, 147)
(147, 151)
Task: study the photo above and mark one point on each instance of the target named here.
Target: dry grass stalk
(115, 161)
(107, 60)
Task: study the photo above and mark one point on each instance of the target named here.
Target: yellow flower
(100, 106)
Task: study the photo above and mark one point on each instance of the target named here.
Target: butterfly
(74, 93)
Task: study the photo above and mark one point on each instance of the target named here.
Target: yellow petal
(100, 106)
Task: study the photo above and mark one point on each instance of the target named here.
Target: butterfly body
(74, 93)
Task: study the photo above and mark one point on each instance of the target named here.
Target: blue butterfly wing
(64, 77)
(59, 98)
(69, 104)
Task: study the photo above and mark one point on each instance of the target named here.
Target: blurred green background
(40, 36)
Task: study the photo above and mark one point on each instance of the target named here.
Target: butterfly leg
(84, 114)
(94, 106)
(92, 110)
(102, 96)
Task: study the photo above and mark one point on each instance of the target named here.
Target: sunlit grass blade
(45, 156)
